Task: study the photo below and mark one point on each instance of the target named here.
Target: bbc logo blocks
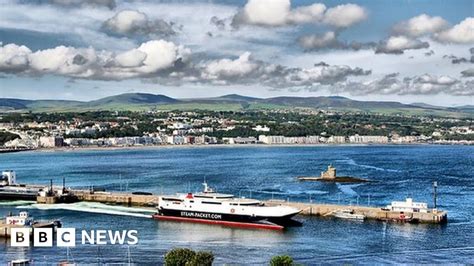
(43, 237)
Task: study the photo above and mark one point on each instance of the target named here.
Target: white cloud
(425, 84)
(343, 16)
(63, 60)
(13, 58)
(99, 3)
(132, 22)
(311, 42)
(131, 58)
(227, 68)
(420, 25)
(266, 12)
(398, 44)
(307, 14)
(274, 13)
(246, 70)
(150, 58)
(459, 33)
(468, 73)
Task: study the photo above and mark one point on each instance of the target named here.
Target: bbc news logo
(66, 237)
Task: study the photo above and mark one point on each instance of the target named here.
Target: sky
(407, 51)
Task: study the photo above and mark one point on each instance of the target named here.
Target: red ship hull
(220, 222)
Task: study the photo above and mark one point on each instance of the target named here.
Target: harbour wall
(310, 209)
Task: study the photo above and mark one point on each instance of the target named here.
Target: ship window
(234, 204)
(192, 201)
(171, 199)
(249, 204)
(210, 202)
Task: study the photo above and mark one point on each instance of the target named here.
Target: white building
(336, 139)
(408, 206)
(51, 142)
(176, 140)
(368, 139)
(259, 128)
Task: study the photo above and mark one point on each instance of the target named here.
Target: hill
(134, 98)
(231, 102)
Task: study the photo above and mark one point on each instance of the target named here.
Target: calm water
(263, 172)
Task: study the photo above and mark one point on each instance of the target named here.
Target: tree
(202, 258)
(188, 257)
(281, 260)
(6, 137)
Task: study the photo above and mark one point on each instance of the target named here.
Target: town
(126, 128)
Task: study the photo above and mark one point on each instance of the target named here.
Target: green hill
(231, 102)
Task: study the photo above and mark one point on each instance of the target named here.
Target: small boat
(24, 220)
(348, 214)
(19, 262)
(211, 207)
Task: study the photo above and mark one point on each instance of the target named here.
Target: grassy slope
(145, 102)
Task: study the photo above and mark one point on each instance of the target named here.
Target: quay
(308, 209)
(314, 209)
(406, 211)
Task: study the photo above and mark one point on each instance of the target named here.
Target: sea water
(261, 172)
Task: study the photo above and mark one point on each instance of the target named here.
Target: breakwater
(308, 209)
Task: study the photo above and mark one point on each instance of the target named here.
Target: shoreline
(186, 146)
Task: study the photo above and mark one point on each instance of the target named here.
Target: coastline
(205, 146)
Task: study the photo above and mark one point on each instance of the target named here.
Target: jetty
(425, 215)
(432, 216)
(330, 176)
(399, 211)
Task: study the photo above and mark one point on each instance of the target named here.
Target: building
(259, 128)
(271, 139)
(330, 173)
(368, 139)
(336, 139)
(408, 206)
(239, 140)
(288, 140)
(51, 142)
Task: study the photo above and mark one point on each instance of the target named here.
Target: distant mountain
(237, 98)
(134, 98)
(231, 102)
(334, 102)
(15, 104)
(425, 105)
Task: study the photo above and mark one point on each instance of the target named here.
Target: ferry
(10, 190)
(215, 208)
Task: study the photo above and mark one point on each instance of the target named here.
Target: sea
(262, 172)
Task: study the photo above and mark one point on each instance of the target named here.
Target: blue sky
(408, 51)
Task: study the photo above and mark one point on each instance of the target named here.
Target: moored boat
(24, 220)
(348, 214)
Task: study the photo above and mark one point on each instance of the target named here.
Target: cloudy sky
(408, 51)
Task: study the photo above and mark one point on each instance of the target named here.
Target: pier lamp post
(435, 187)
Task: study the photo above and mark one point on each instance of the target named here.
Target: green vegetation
(6, 137)
(149, 102)
(281, 122)
(282, 260)
(188, 257)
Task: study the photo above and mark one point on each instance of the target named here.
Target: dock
(307, 209)
(126, 199)
(374, 213)
(421, 214)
